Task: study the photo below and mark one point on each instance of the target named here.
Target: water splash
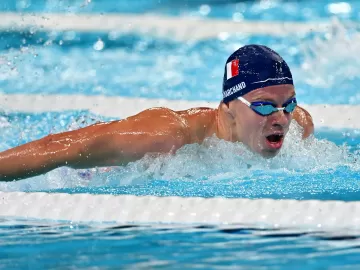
(212, 163)
(329, 62)
(323, 65)
(217, 159)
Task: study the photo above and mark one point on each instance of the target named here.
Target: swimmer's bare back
(157, 130)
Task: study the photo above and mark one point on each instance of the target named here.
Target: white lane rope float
(178, 28)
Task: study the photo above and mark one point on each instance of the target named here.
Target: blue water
(129, 65)
(294, 10)
(77, 246)
(324, 167)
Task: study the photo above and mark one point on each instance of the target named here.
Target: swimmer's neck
(223, 129)
(204, 122)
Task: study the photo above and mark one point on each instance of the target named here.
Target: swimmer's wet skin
(258, 105)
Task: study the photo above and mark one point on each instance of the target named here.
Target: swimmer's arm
(304, 119)
(98, 145)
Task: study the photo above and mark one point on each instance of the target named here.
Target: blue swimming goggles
(266, 108)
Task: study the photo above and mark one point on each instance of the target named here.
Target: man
(258, 105)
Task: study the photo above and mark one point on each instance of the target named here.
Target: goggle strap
(243, 100)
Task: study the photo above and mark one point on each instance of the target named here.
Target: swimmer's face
(263, 134)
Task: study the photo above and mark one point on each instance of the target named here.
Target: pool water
(229, 9)
(129, 65)
(323, 167)
(78, 246)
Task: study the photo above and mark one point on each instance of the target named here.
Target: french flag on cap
(232, 69)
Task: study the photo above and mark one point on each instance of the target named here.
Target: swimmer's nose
(281, 118)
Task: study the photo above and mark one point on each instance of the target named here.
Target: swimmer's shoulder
(201, 122)
(161, 114)
(202, 115)
(195, 123)
(199, 114)
(162, 119)
(192, 124)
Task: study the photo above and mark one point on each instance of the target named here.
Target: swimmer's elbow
(308, 129)
(304, 119)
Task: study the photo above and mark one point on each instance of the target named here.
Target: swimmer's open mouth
(275, 138)
(275, 141)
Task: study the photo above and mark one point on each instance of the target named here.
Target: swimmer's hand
(304, 119)
(105, 144)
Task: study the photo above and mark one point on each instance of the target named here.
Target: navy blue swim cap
(252, 67)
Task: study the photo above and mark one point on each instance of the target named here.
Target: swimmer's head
(255, 73)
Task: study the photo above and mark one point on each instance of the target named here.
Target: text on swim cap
(234, 89)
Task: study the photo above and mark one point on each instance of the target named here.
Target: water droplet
(32, 30)
(339, 8)
(237, 17)
(86, 2)
(204, 10)
(99, 45)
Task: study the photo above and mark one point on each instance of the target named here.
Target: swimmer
(258, 104)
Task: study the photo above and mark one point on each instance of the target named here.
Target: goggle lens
(266, 109)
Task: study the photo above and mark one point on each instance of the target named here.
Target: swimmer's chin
(269, 153)
(266, 153)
